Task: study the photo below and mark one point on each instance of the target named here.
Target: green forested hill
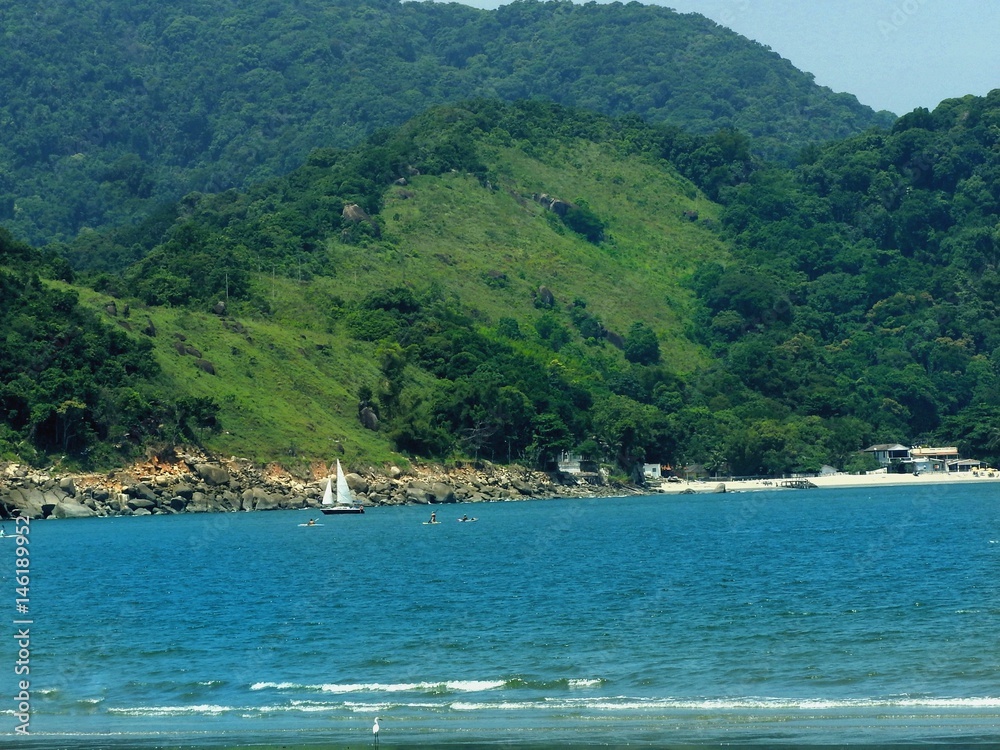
(112, 108)
(509, 280)
(461, 307)
(864, 284)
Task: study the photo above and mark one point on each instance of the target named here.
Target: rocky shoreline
(188, 482)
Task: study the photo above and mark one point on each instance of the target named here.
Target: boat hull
(343, 511)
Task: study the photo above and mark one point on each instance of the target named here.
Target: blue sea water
(797, 618)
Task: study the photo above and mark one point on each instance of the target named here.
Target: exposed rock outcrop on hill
(194, 483)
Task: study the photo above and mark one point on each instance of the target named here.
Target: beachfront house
(967, 464)
(943, 454)
(651, 471)
(924, 459)
(889, 454)
(921, 459)
(574, 463)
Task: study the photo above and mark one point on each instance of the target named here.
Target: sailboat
(345, 498)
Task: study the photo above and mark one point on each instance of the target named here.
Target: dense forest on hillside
(112, 110)
(70, 385)
(865, 282)
(851, 300)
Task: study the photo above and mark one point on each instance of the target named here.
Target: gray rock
(368, 419)
(67, 485)
(212, 474)
(523, 487)
(439, 492)
(356, 482)
(141, 512)
(184, 490)
(177, 503)
(265, 501)
(72, 509)
(54, 495)
(140, 503)
(418, 495)
(719, 489)
(200, 503)
(231, 501)
(248, 499)
(142, 490)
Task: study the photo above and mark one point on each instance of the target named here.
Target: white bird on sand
(375, 728)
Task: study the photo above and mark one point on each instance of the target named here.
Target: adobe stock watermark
(22, 625)
(900, 16)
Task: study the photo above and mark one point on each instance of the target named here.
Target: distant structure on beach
(921, 459)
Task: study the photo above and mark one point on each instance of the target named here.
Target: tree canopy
(112, 109)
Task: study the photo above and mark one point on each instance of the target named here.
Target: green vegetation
(862, 295)
(749, 317)
(112, 109)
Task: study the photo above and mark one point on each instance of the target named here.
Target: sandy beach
(834, 481)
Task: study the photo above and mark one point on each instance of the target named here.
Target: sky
(892, 54)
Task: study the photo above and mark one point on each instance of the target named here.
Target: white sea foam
(206, 710)
(275, 686)
(493, 706)
(584, 683)
(624, 703)
(462, 686)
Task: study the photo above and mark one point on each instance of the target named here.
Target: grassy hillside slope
(287, 377)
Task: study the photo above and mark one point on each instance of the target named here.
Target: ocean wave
(608, 704)
(442, 688)
(456, 686)
(201, 710)
(626, 703)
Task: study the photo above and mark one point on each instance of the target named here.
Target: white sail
(344, 496)
(328, 494)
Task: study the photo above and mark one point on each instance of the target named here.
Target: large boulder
(67, 485)
(231, 501)
(140, 503)
(72, 509)
(27, 502)
(369, 420)
(141, 490)
(263, 500)
(418, 496)
(354, 213)
(177, 503)
(356, 482)
(523, 487)
(434, 492)
(212, 474)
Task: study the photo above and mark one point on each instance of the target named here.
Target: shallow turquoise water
(797, 617)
